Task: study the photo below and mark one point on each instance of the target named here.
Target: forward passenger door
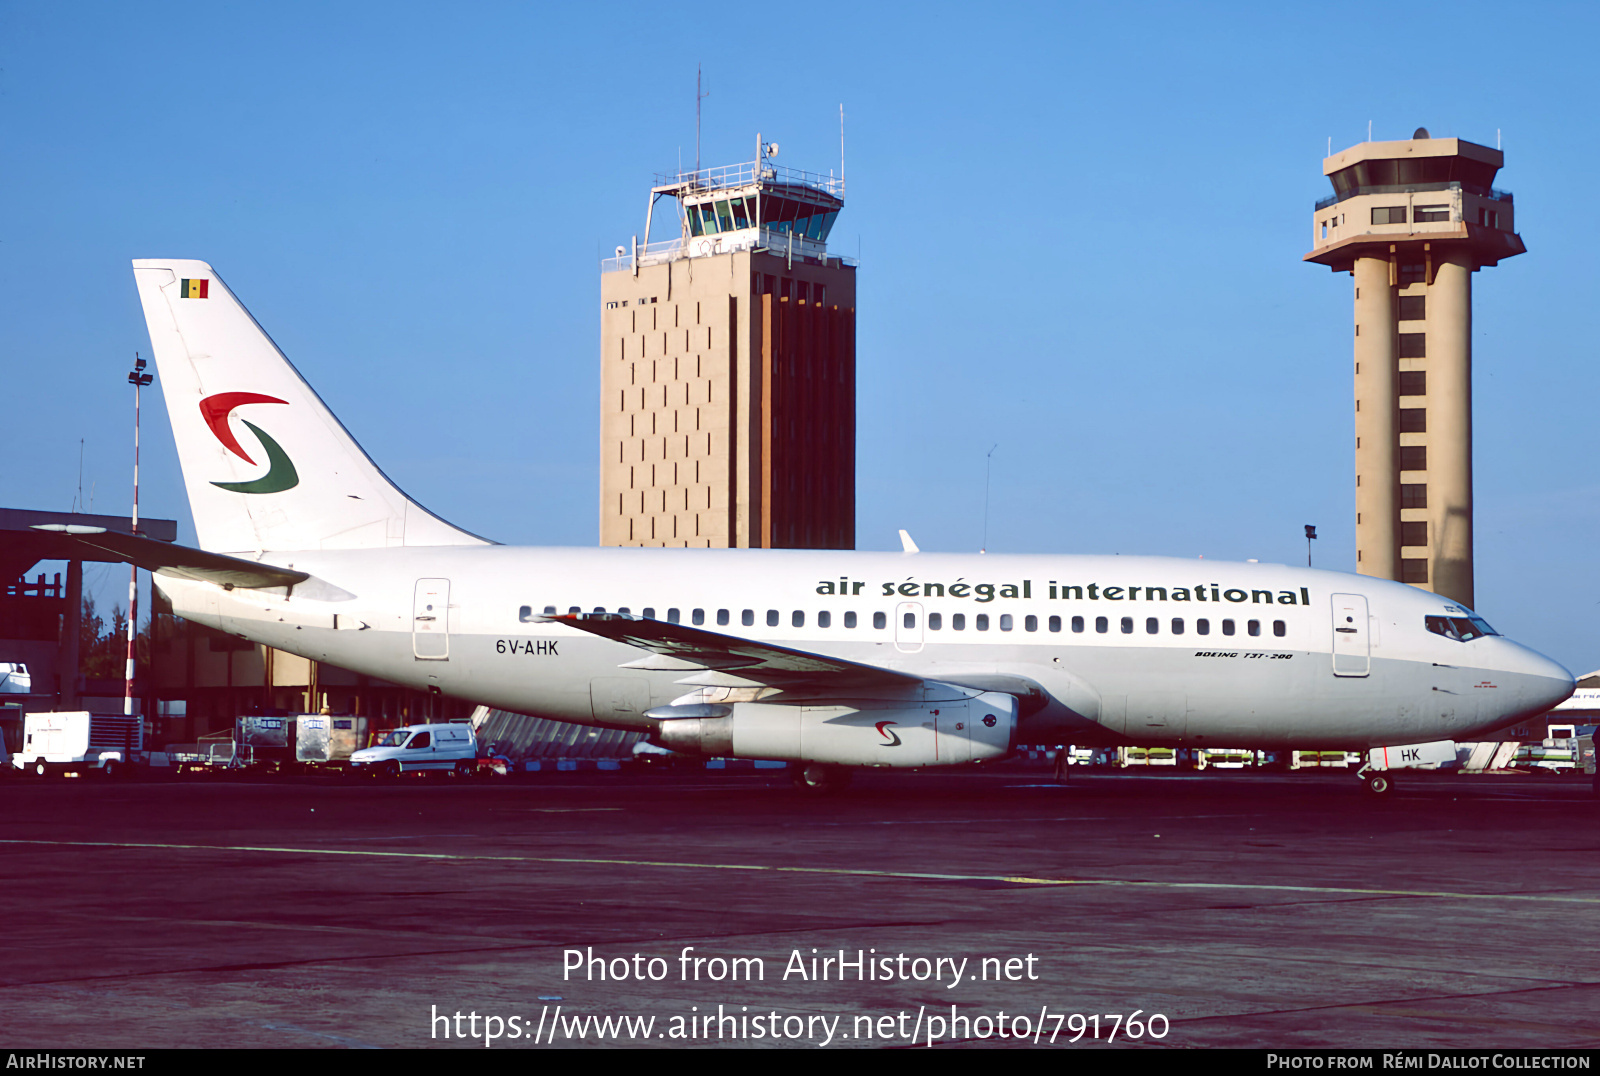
(1352, 643)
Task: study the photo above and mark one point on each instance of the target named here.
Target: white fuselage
(1099, 649)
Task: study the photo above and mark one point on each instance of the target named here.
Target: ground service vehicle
(450, 747)
(80, 742)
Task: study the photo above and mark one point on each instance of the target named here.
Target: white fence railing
(705, 246)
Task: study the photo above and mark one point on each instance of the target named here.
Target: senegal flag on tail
(194, 289)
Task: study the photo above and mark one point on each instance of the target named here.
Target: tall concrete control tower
(1412, 221)
(728, 367)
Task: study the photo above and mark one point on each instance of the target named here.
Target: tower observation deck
(728, 367)
(1412, 221)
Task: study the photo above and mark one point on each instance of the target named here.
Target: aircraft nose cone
(1546, 684)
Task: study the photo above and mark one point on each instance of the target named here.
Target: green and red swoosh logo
(280, 475)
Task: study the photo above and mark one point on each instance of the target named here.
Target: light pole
(138, 379)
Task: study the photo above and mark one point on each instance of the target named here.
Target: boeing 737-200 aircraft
(829, 659)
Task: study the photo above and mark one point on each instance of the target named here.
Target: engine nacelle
(946, 732)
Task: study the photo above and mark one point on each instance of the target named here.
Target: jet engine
(968, 728)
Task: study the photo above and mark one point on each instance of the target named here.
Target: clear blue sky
(1080, 231)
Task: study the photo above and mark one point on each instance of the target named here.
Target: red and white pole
(138, 379)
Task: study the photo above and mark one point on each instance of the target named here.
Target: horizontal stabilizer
(175, 560)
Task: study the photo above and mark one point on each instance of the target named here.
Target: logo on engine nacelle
(891, 739)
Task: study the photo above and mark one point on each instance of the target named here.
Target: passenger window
(1151, 625)
(1055, 623)
(981, 622)
(1030, 623)
(1254, 627)
(910, 620)
(1127, 625)
(599, 608)
(525, 614)
(1102, 625)
(698, 616)
(1177, 625)
(549, 610)
(722, 618)
(1279, 628)
(573, 611)
(772, 618)
(935, 621)
(648, 612)
(672, 616)
(1077, 623)
(1005, 621)
(1202, 627)
(850, 619)
(748, 617)
(1227, 627)
(624, 610)
(880, 620)
(798, 619)
(824, 619)
(958, 621)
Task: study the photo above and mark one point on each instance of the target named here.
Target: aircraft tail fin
(266, 464)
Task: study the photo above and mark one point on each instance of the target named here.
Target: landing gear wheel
(1378, 784)
(819, 779)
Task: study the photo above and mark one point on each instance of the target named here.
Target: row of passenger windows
(935, 621)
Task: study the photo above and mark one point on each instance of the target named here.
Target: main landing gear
(821, 779)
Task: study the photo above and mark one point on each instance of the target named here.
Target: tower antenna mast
(698, 97)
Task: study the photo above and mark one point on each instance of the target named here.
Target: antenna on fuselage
(986, 460)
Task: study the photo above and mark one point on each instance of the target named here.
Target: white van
(420, 747)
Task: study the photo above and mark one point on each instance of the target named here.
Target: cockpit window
(1462, 629)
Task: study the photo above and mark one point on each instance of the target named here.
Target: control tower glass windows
(1412, 172)
(785, 215)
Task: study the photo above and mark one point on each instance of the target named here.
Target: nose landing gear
(1375, 782)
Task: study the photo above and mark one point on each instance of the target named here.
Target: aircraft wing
(678, 646)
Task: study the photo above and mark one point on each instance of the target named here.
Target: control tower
(728, 367)
(1412, 221)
